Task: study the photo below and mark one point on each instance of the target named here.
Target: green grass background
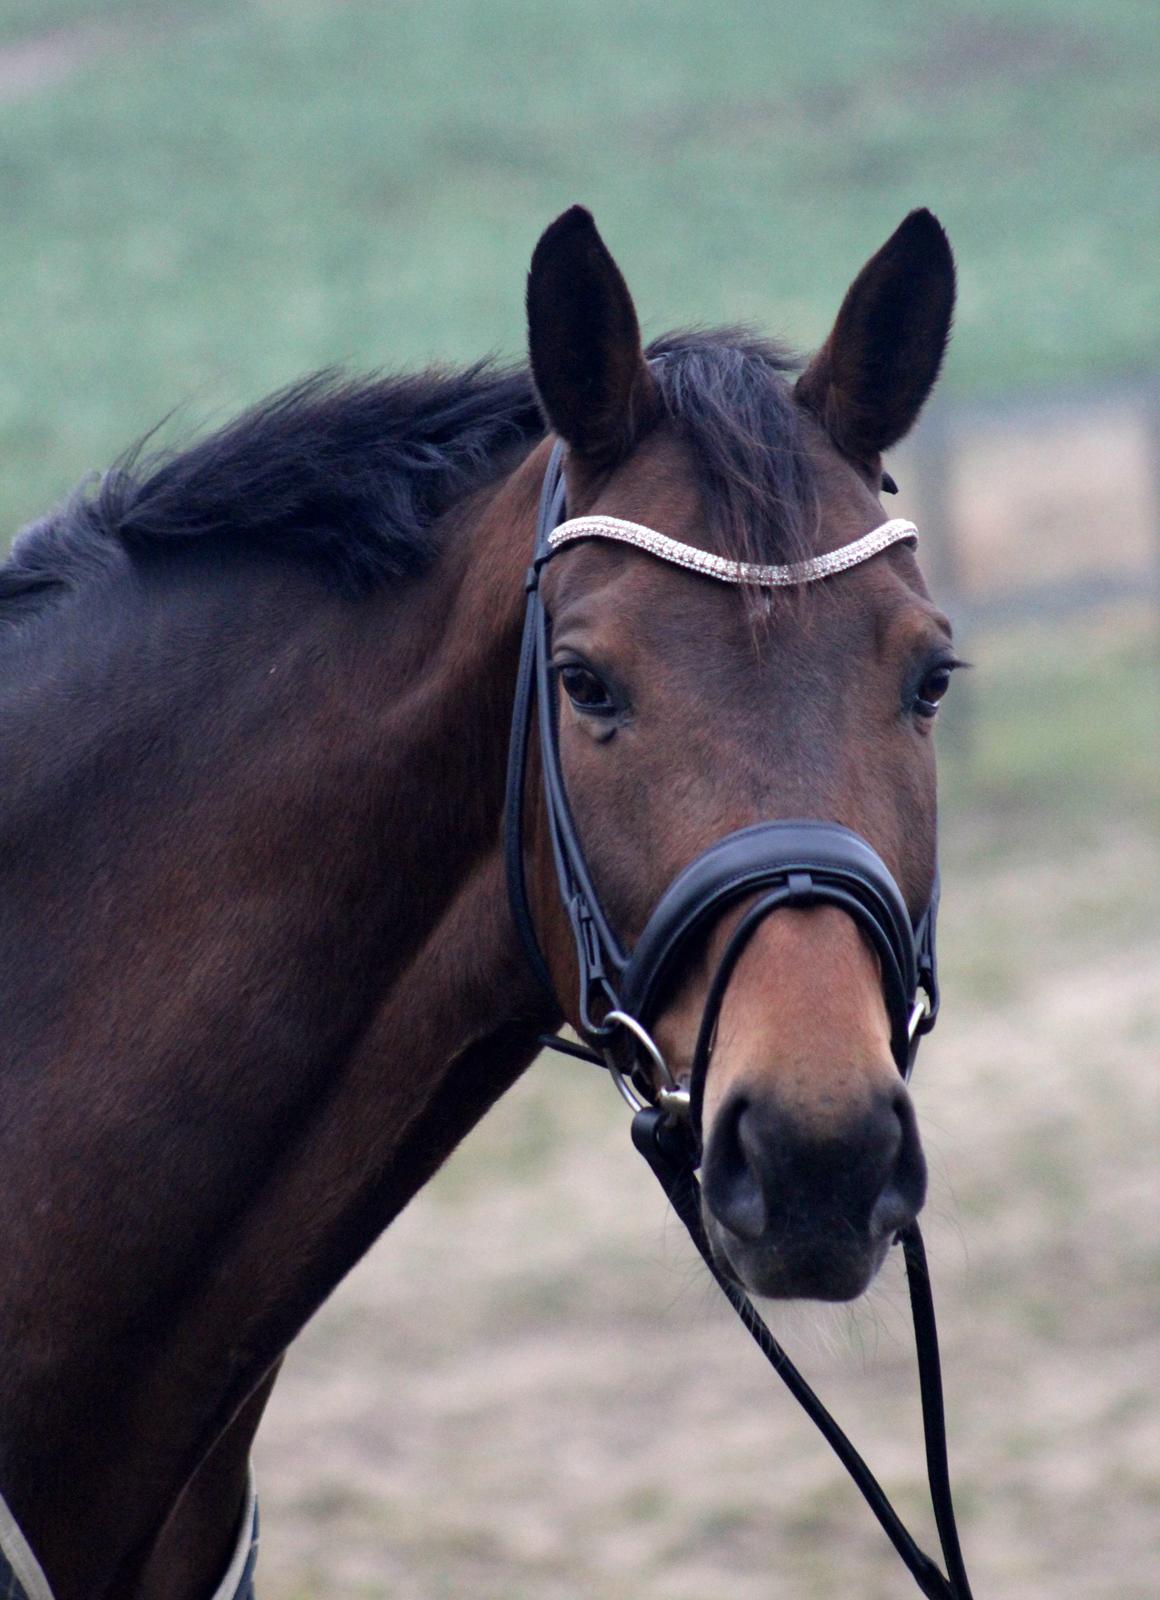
(218, 197)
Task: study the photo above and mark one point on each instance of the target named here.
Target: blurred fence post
(932, 451)
(933, 456)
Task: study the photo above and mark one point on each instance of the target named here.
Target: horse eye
(888, 484)
(931, 690)
(586, 691)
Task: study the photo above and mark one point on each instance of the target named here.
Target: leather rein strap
(784, 863)
(661, 1143)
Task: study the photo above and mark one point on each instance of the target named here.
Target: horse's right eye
(931, 692)
(586, 691)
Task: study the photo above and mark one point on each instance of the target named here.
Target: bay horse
(259, 970)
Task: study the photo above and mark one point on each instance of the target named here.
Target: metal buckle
(919, 1012)
(670, 1097)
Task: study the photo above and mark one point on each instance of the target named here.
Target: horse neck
(201, 1167)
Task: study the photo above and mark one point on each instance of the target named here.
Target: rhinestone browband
(897, 531)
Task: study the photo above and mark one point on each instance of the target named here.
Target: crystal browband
(897, 531)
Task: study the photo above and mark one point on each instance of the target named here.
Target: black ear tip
(922, 221)
(568, 225)
(575, 216)
(921, 231)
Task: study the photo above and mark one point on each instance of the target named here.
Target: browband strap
(896, 531)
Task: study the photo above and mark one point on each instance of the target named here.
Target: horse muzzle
(791, 1213)
(793, 1204)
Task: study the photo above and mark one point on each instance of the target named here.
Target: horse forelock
(728, 394)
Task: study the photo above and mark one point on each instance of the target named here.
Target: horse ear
(584, 342)
(868, 382)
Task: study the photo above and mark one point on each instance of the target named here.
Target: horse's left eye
(931, 690)
(586, 691)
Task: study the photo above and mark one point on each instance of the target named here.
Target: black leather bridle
(773, 865)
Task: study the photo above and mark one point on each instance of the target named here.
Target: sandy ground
(529, 1388)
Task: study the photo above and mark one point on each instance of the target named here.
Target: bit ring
(669, 1094)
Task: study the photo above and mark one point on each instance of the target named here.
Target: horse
(260, 970)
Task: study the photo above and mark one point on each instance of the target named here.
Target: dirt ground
(530, 1389)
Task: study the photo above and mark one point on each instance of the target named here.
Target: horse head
(687, 709)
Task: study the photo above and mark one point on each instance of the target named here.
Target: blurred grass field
(199, 203)
(1059, 734)
(213, 199)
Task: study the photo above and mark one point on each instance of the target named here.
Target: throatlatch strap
(666, 1149)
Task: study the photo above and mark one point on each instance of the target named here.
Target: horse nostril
(891, 1213)
(764, 1174)
(732, 1175)
(904, 1191)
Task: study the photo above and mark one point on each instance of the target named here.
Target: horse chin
(810, 1268)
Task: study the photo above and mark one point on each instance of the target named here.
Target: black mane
(353, 474)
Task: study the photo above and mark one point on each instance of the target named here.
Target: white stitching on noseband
(725, 571)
